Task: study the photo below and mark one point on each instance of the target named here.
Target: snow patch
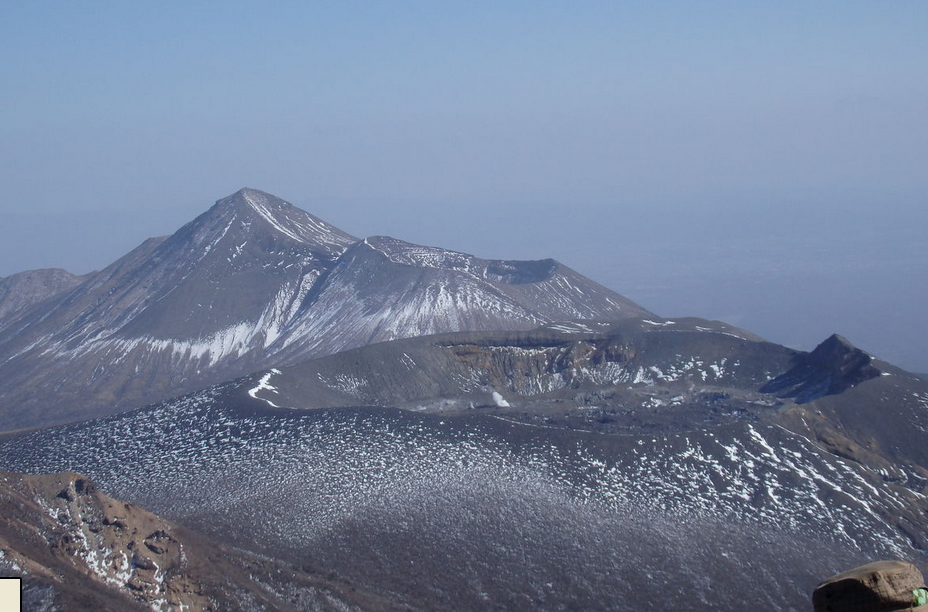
(664, 324)
(264, 383)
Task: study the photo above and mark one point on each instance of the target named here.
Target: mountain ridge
(255, 282)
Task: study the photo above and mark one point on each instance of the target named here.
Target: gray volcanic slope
(252, 283)
(646, 464)
(21, 291)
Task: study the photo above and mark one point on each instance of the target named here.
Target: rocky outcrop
(78, 549)
(834, 366)
(60, 529)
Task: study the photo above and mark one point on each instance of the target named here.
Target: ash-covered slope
(79, 550)
(597, 466)
(256, 282)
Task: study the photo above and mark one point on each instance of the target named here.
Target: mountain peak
(835, 343)
(255, 208)
(247, 198)
(251, 192)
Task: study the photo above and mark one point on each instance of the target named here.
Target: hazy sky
(764, 163)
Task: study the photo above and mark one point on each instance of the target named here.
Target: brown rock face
(93, 536)
(882, 586)
(79, 550)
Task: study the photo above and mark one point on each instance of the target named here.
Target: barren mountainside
(583, 465)
(19, 292)
(252, 283)
(297, 419)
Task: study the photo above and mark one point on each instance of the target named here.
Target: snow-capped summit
(252, 283)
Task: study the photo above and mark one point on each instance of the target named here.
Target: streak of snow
(264, 383)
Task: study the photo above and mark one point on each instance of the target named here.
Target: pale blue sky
(762, 162)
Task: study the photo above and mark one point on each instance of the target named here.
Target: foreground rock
(80, 550)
